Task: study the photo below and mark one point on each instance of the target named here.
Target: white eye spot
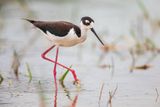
(92, 24)
(87, 21)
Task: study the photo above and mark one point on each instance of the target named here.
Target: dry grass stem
(111, 95)
(157, 94)
(113, 67)
(100, 95)
(15, 64)
(133, 60)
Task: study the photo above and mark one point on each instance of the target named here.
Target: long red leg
(71, 70)
(55, 80)
(55, 66)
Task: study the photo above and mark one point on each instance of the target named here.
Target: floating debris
(142, 67)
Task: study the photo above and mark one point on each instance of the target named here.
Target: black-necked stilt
(64, 34)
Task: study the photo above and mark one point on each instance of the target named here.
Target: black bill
(97, 36)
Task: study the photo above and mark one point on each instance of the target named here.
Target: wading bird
(64, 34)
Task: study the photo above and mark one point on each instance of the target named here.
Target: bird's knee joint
(43, 56)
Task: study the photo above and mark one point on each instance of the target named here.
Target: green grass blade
(29, 72)
(64, 75)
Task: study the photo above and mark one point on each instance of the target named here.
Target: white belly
(69, 40)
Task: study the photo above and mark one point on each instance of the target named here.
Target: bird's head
(87, 23)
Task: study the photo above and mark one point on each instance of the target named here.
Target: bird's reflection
(66, 90)
(56, 92)
(74, 102)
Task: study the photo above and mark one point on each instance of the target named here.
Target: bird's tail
(29, 20)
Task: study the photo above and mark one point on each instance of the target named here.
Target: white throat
(83, 30)
(83, 34)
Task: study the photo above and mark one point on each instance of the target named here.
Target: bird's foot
(77, 83)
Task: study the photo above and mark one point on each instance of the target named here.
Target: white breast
(70, 39)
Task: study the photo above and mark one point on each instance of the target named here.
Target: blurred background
(123, 73)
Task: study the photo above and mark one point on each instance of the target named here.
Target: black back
(58, 28)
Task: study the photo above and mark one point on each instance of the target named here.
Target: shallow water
(113, 19)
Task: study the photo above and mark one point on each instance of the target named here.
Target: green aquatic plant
(16, 63)
(64, 75)
(29, 72)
